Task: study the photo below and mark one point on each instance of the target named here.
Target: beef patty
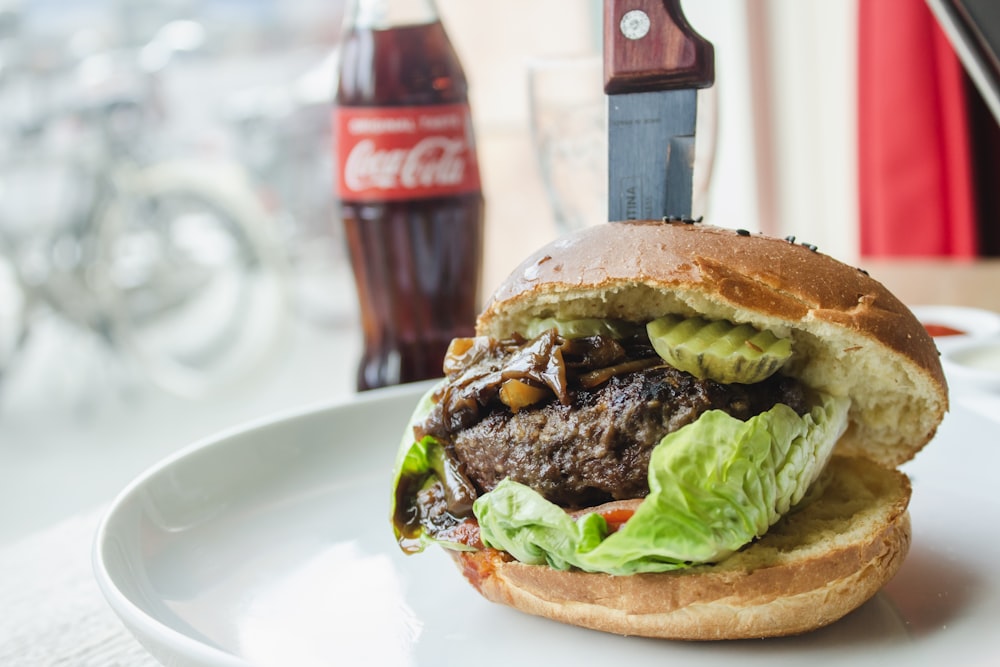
(597, 448)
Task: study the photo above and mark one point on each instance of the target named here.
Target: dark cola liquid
(416, 262)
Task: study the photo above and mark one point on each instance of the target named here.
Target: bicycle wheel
(192, 275)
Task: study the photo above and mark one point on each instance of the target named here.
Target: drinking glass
(568, 120)
(568, 114)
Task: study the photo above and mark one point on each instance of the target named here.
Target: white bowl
(972, 322)
(973, 363)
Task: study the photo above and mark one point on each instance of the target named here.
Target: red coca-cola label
(392, 153)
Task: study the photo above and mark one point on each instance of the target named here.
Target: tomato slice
(616, 513)
(616, 517)
(466, 532)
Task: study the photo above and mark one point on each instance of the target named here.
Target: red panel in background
(915, 170)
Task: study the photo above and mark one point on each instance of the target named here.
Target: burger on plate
(674, 430)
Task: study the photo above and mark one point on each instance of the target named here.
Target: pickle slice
(582, 328)
(718, 350)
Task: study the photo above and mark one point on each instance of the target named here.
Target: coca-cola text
(405, 153)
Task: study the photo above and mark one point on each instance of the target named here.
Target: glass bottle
(408, 188)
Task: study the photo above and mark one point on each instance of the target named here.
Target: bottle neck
(381, 14)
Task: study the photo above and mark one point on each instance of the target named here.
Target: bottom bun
(813, 567)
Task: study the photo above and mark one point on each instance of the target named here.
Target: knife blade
(654, 62)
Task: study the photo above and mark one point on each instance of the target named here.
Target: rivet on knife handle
(649, 45)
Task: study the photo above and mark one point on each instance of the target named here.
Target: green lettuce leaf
(411, 471)
(715, 485)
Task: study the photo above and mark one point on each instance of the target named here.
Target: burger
(674, 430)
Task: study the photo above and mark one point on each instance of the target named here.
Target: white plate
(271, 545)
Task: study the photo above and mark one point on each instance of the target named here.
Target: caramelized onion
(592, 352)
(516, 394)
(541, 360)
(602, 375)
(519, 373)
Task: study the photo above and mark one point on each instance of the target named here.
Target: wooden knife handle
(653, 49)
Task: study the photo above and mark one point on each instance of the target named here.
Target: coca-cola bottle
(408, 187)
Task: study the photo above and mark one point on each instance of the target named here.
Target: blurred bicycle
(171, 262)
(281, 133)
